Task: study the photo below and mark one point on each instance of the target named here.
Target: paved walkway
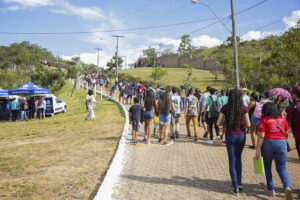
(191, 170)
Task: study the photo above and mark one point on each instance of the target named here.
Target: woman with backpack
(254, 121)
(272, 144)
(236, 121)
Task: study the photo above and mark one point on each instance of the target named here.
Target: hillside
(176, 77)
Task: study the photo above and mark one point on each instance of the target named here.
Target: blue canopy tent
(28, 88)
(3, 92)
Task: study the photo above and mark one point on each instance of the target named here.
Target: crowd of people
(20, 109)
(229, 113)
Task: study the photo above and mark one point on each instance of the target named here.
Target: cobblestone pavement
(191, 170)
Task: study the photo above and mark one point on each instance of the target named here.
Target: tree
(157, 73)
(185, 45)
(112, 63)
(188, 82)
(150, 56)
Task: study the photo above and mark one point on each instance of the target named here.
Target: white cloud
(256, 35)
(205, 41)
(83, 12)
(58, 6)
(31, 3)
(291, 21)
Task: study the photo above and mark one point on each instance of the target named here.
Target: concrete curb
(114, 171)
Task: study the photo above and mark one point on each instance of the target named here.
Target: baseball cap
(244, 89)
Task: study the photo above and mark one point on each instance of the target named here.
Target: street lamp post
(98, 49)
(233, 33)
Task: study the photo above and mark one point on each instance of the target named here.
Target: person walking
(165, 106)
(293, 116)
(148, 105)
(272, 145)
(235, 114)
(129, 92)
(91, 104)
(197, 94)
(202, 102)
(224, 101)
(14, 109)
(213, 104)
(253, 120)
(191, 111)
(246, 99)
(175, 122)
(135, 113)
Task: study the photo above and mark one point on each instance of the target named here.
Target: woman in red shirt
(271, 144)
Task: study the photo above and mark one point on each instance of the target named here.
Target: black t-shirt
(136, 112)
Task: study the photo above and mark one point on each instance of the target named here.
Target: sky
(100, 19)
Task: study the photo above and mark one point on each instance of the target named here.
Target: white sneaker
(149, 142)
(210, 142)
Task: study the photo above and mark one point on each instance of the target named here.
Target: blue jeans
(24, 113)
(275, 149)
(182, 104)
(235, 145)
(140, 96)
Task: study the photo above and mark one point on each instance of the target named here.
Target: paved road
(191, 170)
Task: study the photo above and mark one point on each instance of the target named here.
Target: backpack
(215, 107)
(257, 110)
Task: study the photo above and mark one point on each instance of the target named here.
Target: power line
(271, 23)
(202, 28)
(104, 31)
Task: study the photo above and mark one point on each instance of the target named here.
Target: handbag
(289, 147)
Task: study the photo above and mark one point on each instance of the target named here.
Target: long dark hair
(148, 103)
(269, 110)
(255, 97)
(235, 109)
(165, 104)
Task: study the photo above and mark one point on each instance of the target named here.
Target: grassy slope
(60, 157)
(176, 77)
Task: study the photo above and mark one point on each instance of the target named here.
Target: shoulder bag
(289, 147)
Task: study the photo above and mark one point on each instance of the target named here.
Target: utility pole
(98, 49)
(235, 52)
(117, 59)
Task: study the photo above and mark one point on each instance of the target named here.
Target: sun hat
(244, 89)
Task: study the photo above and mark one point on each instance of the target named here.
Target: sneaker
(270, 192)
(172, 137)
(210, 142)
(144, 140)
(241, 188)
(165, 143)
(219, 141)
(135, 142)
(159, 140)
(235, 191)
(196, 138)
(252, 147)
(205, 134)
(177, 135)
(288, 194)
(149, 142)
(189, 136)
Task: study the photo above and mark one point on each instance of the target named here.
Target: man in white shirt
(176, 101)
(246, 99)
(202, 102)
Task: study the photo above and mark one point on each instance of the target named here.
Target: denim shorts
(206, 117)
(164, 119)
(135, 125)
(254, 121)
(148, 115)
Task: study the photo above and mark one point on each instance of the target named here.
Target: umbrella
(280, 91)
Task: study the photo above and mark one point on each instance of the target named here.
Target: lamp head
(194, 1)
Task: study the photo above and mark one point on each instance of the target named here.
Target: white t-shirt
(203, 100)
(176, 101)
(246, 100)
(91, 101)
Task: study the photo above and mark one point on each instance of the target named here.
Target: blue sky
(98, 15)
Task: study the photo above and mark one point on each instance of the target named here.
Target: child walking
(135, 113)
(155, 122)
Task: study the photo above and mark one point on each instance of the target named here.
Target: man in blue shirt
(14, 109)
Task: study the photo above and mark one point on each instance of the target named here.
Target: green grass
(60, 157)
(176, 77)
